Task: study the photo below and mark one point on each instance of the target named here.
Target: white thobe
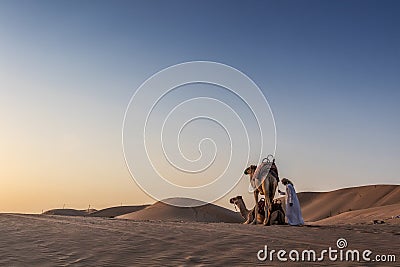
(293, 213)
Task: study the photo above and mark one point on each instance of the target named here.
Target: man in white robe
(293, 210)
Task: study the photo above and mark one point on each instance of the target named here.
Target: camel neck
(242, 208)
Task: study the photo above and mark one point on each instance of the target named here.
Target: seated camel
(277, 213)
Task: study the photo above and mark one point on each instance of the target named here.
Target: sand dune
(320, 205)
(365, 216)
(66, 212)
(337, 206)
(117, 211)
(166, 212)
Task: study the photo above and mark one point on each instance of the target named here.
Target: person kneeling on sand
(293, 211)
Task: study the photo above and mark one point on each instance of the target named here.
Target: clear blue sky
(330, 70)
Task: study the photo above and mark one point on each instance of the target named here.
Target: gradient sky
(329, 69)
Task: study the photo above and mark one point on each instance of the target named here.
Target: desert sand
(42, 240)
(166, 235)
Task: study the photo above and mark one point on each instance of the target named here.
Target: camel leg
(267, 209)
(255, 207)
(268, 199)
(249, 217)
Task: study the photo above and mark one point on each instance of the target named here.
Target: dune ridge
(165, 212)
(320, 205)
(66, 212)
(117, 211)
(349, 205)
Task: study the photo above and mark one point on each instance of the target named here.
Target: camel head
(250, 170)
(235, 200)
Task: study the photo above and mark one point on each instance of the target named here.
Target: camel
(267, 188)
(248, 215)
(277, 214)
